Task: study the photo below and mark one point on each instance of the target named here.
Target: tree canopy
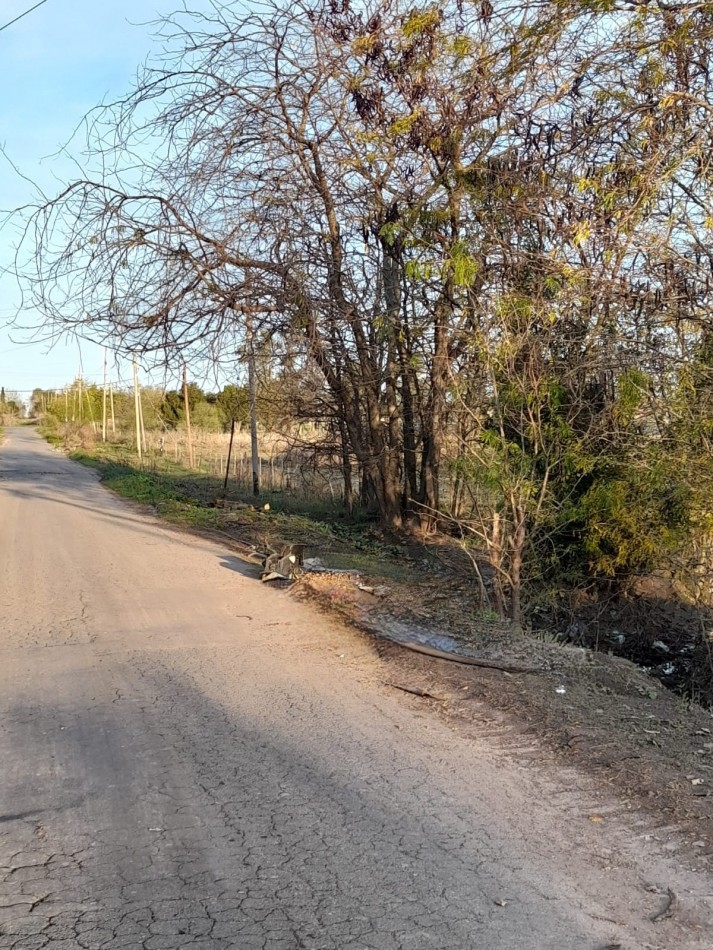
(485, 225)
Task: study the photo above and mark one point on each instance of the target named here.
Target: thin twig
(670, 908)
(415, 691)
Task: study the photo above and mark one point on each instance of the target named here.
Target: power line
(6, 25)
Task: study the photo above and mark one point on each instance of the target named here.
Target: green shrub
(633, 519)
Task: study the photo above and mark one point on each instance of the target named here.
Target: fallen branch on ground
(467, 660)
(415, 691)
(669, 910)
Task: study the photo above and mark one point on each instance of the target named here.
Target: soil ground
(586, 707)
(591, 709)
(596, 711)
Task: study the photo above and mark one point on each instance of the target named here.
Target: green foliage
(391, 231)
(139, 486)
(633, 388)
(171, 409)
(419, 270)
(206, 417)
(421, 21)
(11, 405)
(634, 517)
(404, 124)
(462, 265)
(171, 405)
(233, 402)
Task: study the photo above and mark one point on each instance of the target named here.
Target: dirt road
(190, 760)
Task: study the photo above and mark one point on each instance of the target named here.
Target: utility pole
(91, 411)
(187, 411)
(111, 406)
(141, 420)
(104, 403)
(137, 410)
(252, 388)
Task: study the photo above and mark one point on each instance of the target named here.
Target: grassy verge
(51, 435)
(188, 498)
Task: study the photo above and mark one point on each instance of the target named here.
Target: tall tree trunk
(391, 425)
(516, 561)
(435, 417)
(346, 467)
(409, 431)
(495, 554)
(252, 393)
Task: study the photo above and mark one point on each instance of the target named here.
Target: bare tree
(451, 208)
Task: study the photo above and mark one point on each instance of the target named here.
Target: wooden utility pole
(137, 411)
(104, 403)
(187, 411)
(91, 411)
(252, 388)
(111, 406)
(66, 406)
(141, 420)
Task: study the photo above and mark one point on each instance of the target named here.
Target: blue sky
(55, 65)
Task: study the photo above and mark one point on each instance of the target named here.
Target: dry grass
(289, 464)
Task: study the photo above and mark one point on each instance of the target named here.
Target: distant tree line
(11, 406)
(82, 402)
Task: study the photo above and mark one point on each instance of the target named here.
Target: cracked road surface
(190, 760)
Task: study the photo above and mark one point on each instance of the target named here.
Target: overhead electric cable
(20, 17)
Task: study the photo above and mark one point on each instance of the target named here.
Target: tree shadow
(20, 815)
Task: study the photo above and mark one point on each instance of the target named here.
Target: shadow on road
(240, 566)
(19, 816)
(233, 810)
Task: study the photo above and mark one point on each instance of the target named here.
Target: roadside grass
(184, 497)
(51, 436)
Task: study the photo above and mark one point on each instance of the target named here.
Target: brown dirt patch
(596, 711)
